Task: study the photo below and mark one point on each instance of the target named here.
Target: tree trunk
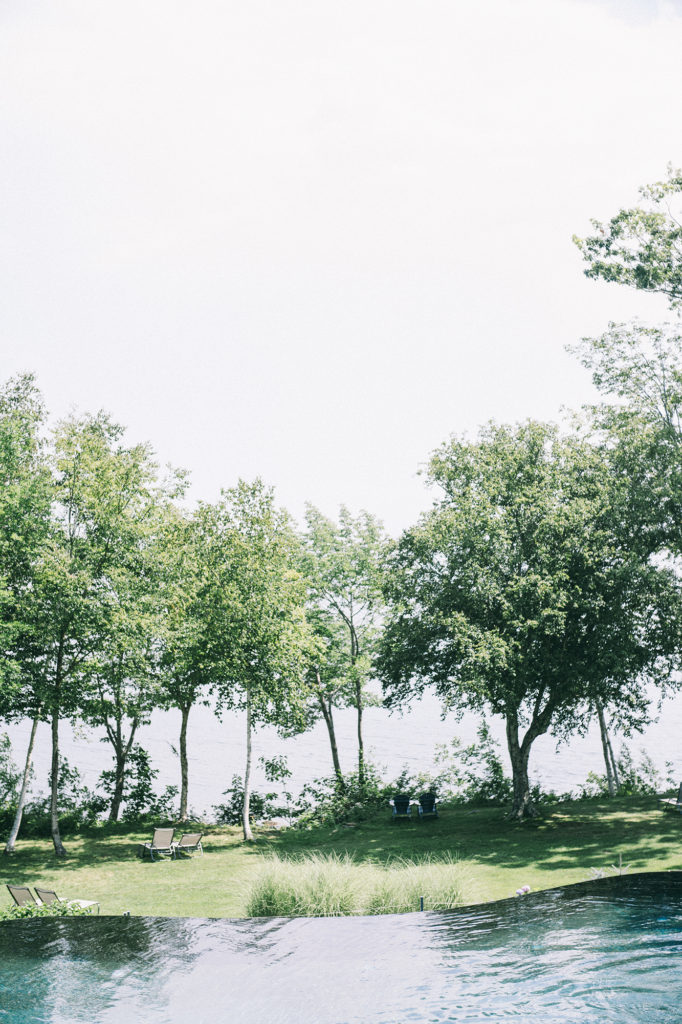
(614, 764)
(605, 745)
(185, 709)
(9, 846)
(121, 752)
(59, 849)
(361, 749)
(117, 798)
(329, 721)
(522, 804)
(248, 834)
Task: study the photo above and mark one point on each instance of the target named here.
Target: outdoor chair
(672, 803)
(22, 896)
(401, 807)
(162, 842)
(189, 841)
(47, 896)
(427, 805)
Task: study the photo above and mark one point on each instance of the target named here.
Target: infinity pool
(598, 952)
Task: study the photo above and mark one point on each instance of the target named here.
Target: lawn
(496, 856)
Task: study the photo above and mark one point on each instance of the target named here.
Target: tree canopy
(641, 246)
(515, 595)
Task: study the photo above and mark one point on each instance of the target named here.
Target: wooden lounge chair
(161, 842)
(671, 803)
(47, 896)
(427, 805)
(189, 841)
(401, 807)
(22, 896)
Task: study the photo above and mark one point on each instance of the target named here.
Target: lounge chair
(673, 804)
(427, 805)
(47, 896)
(401, 807)
(22, 896)
(189, 841)
(161, 842)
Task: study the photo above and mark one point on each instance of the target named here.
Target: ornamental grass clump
(314, 886)
(400, 886)
(333, 886)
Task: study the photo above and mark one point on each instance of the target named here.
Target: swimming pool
(605, 951)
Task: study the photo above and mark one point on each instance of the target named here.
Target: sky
(310, 240)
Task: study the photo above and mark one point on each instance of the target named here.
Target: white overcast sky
(310, 240)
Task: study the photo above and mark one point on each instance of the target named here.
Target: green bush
(331, 886)
(33, 910)
(637, 778)
(327, 801)
(140, 801)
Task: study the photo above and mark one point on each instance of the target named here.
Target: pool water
(601, 952)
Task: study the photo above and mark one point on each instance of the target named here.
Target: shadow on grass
(568, 836)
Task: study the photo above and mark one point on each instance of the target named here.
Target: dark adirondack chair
(401, 807)
(427, 805)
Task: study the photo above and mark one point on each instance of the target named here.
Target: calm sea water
(604, 952)
(217, 748)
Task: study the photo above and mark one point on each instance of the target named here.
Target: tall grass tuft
(402, 883)
(315, 886)
(331, 886)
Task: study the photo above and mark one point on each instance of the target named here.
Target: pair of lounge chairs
(402, 806)
(162, 843)
(22, 896)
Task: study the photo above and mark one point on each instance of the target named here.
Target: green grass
(493, 857)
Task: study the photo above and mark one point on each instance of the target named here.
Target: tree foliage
(515, 595)
(641, 246)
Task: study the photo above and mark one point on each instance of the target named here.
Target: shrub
(52, 910)
(327, 802)
(230, 813)
(140, 801)
(78, 805)
(637, 778)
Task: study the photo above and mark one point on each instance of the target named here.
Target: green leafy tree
(259, 634)
(25, 500)
(102, 489)
(192, 635)
(641, 246)
(640, 369)
(516, 594)
(343, 563)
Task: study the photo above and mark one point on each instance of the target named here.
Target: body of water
(606, 951)
(393, 741)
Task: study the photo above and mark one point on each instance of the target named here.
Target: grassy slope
(497, 857)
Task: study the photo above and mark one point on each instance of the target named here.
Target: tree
(343, 563)
(642, 246)
(25, 496)
(641, 368)
(191, 658)
(122, 676)
(515, 595)
(328, 674)
(259, 631)
(101, 491)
